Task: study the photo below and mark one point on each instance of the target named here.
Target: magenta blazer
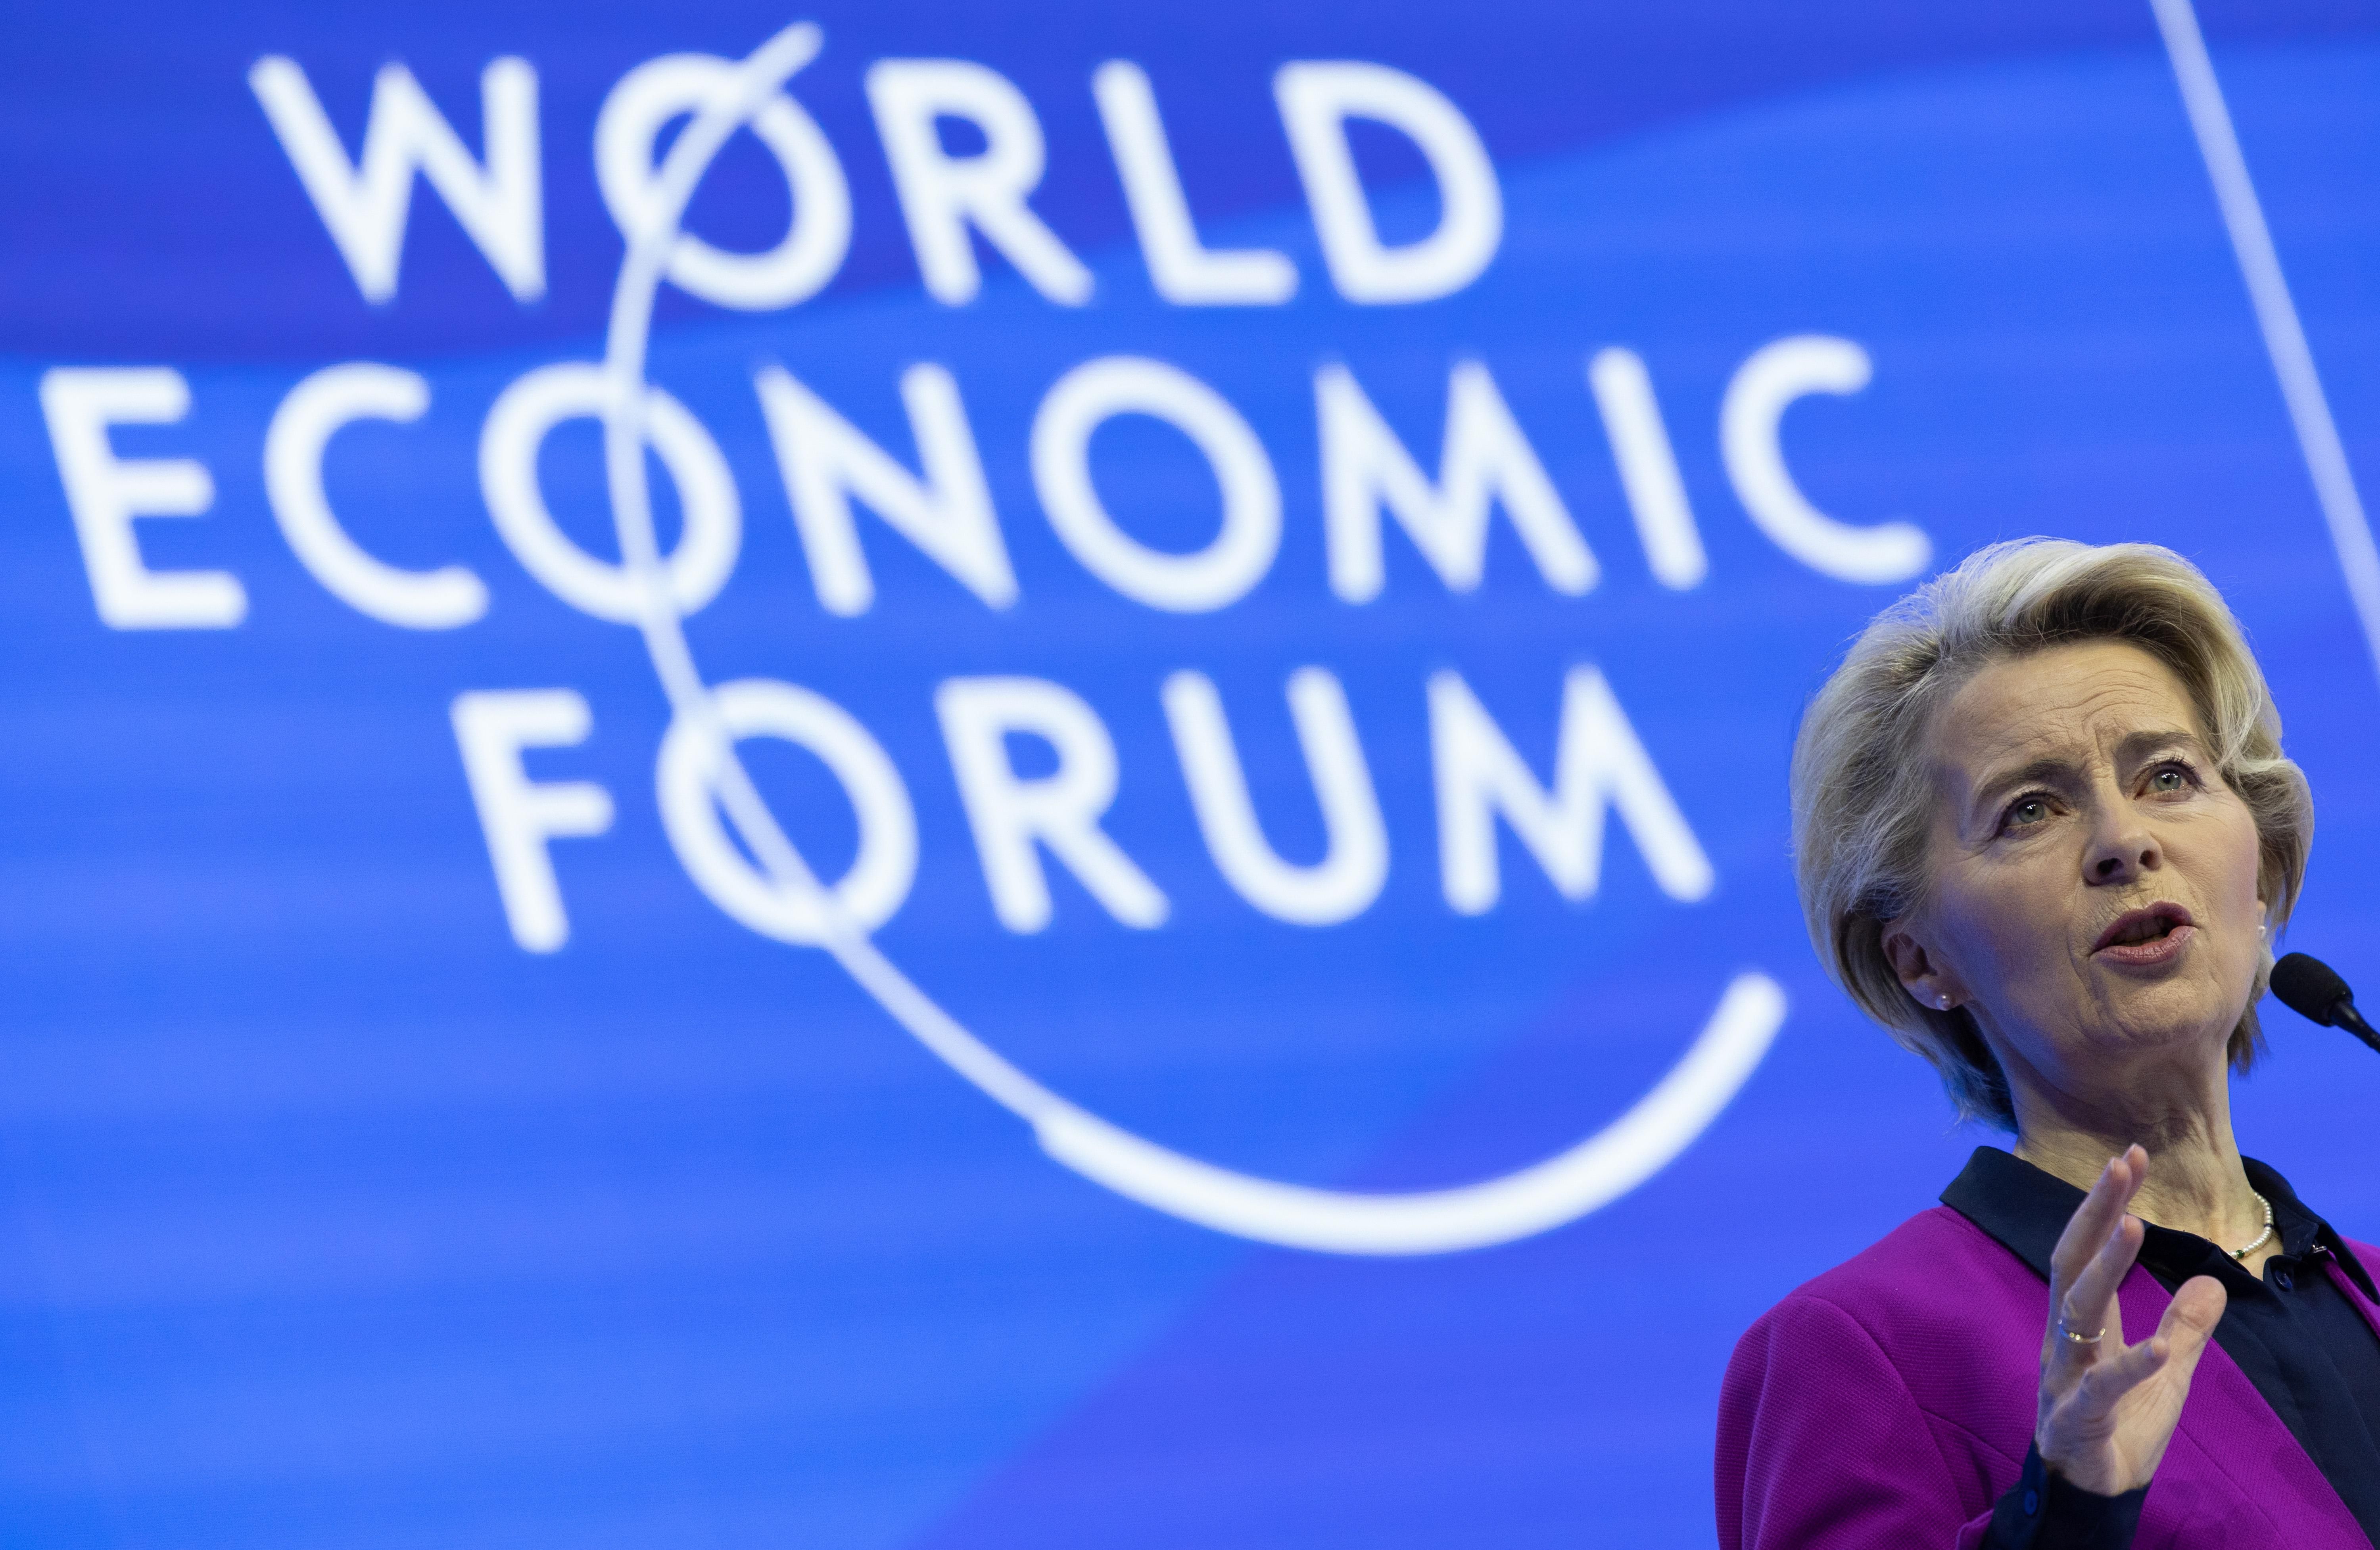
(1889, 1403)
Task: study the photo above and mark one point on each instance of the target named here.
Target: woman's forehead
(2091, 693)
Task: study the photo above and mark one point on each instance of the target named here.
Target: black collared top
(2291, 1331)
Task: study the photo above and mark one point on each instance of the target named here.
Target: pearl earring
(1943, 1001)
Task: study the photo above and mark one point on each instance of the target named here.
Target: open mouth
(2140, 932)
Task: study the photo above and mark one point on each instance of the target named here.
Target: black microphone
(2312, 989)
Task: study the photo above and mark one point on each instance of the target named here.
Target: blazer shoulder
(1938, 1262)
(1905, 1375)
(1931, 1295)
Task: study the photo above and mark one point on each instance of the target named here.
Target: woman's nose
(2120, 851)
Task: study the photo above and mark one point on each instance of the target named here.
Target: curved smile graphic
(1560, 1189)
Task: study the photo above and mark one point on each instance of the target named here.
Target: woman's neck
(2195, 1182)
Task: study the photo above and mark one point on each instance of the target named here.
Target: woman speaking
(2044, 834)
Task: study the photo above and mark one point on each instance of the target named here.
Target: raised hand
(2108, 1410)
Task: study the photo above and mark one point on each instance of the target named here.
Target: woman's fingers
(2190, 1319)
(2125, 1369)
(2089, 1304)
(2107, 1409)
(2092, 1256)
(2180, 1339)
(2096, 1217)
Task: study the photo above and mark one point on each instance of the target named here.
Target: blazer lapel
(2234, 1475)
(2367, 1255)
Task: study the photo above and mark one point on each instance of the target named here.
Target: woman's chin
(2177, 1011)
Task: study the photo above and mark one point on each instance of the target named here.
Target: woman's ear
(1930, 983)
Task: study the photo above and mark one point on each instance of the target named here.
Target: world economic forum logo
(725, 833)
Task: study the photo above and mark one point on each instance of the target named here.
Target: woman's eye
(2027, 811)
(2170, 778)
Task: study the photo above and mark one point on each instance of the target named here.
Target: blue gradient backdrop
(329, 1217)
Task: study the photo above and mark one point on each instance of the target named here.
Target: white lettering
(516, 427)
(1355, 860)
(1184, 270)
(521, 817)
(1598, 763)
(801, 911)
(365, 204)
(1060, 811)
(1648, 469)
(1317, 99)
(825, 460)
(105, 493)
(660, 91)
(943, 195)
(301, 429)
(1484, 458)
(1213, 577)
(1749, 417)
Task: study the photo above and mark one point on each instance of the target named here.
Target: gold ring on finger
(2080, 1339)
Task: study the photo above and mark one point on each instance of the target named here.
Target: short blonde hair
(1864, 796)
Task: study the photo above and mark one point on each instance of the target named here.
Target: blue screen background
(329, 1216)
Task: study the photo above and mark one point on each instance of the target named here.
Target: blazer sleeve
(1821, 1445)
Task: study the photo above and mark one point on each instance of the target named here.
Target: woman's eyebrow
(2050, 772)
(2138, 745)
